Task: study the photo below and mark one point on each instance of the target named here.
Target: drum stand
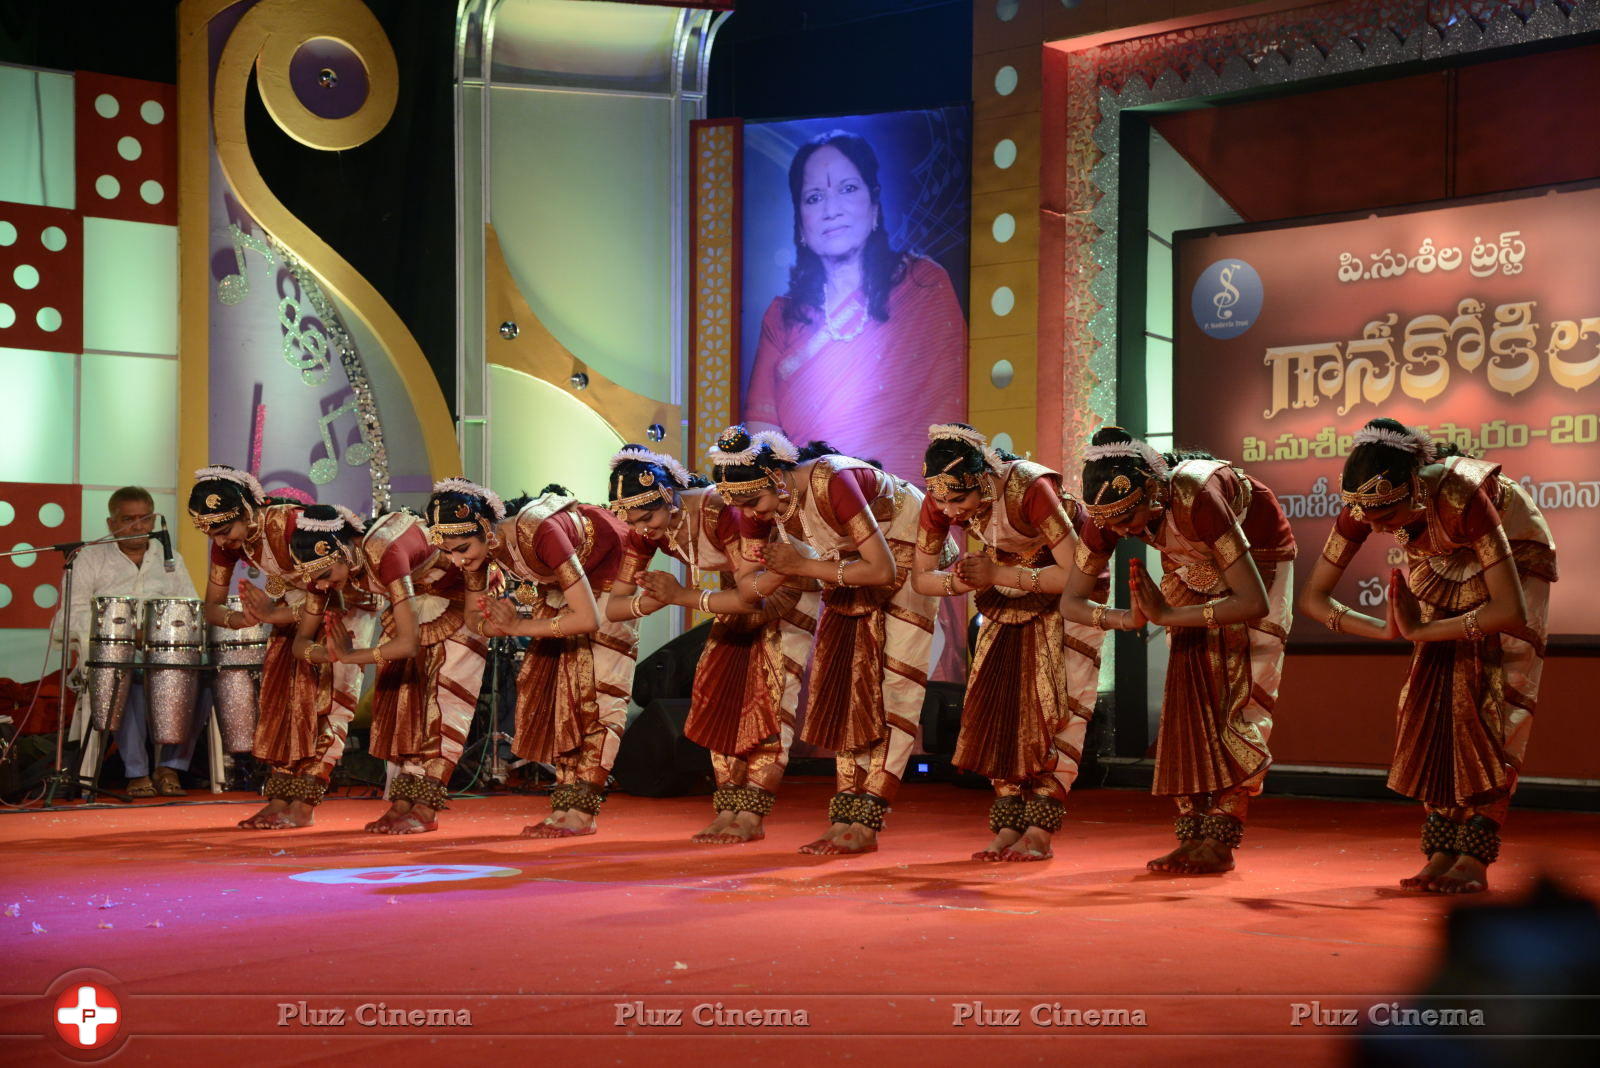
(60, 775)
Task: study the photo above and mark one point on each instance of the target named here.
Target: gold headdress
(725, 454)
(1375, 492)
(1116, 497)
(944, 483)
(458, 519)
(654, 490)
(214, 514)
(1378, 491)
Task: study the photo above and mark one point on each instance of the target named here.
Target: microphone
(166, 547)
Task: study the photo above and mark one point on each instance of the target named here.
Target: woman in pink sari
(868, 346)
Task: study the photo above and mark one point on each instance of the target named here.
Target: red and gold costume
(422, 705)
(305, 709)
(1467, 705)
(572, 692)
(1222, 681)
(870, 660)
(1035, 675)
(747, 684)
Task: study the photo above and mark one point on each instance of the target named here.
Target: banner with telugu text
(1477, 320)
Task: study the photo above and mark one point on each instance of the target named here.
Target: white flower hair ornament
(236, 476)
(782, 449)
(332, 525)
(672, 467)
(468, 488)
(1416, 442)
(1129, 450)
(957, 432)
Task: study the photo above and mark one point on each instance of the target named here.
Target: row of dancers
(823, 566)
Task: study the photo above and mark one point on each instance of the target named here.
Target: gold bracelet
(950, 585)
(1099, 616)
(1469, 623)
(636, 605)
(483, 623)
(555, 627)
(1335, 620)
(1033, 577)
(307, 656)
(839, 578)
(377, 656)
(704, 601)
(1209, 612)
(298, 609)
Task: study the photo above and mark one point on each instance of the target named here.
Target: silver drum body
(238, 655)
(175, 653)
(113, 658)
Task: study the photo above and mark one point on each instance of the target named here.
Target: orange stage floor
(583, 949)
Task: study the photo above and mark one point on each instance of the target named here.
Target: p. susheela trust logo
(1227, 298)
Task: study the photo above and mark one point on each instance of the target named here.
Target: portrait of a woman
(868, 345)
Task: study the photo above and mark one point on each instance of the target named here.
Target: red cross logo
(87, 1015)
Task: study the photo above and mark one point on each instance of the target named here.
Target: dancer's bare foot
(1033, 845)
(568, 823)
(295, 814)
(1436, 866)
(854, 838)
(266, 816)
(397, 810)
(419, 820)
(1176, 860)
(717, 829)
(745, 827)
(1004, 839)
(1468, 875)
(821, 844)
(1210, 857)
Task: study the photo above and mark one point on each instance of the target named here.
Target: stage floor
(565, 947)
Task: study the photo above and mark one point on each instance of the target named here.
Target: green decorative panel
(130, 287)
(36, 130)
(582, 203)
(128, 421)
(36, 430)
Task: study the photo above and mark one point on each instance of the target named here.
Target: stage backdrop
(1478, 320)
(867, 384)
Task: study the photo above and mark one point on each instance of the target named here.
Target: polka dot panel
(127, 164)
(41, 278)
(32, 588)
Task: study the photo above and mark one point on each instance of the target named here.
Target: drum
(237, 655)
(113, 659)
(174, 655)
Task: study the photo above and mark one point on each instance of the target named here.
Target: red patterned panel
(119, 118)
(41, 278)
(28, 592)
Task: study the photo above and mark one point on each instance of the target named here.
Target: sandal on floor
(141, 787)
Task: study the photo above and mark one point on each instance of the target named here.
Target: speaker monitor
(655, 759)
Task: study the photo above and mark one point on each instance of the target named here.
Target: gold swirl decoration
(267, 38)
(534, 351)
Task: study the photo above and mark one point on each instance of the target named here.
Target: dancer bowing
(747, 683)
(305, 710)
(1034, 677)
(853, 527)
(430, 666)
(1474, 598)
(1227, 555)
(572, 691)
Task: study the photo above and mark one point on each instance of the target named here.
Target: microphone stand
(60, 776)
